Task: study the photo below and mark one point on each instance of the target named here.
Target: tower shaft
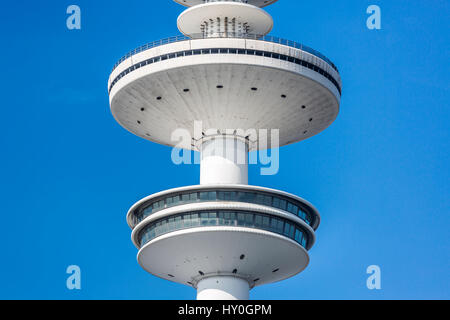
(224, 160)
(223, 288)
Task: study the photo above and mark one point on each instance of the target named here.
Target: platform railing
(179, 38)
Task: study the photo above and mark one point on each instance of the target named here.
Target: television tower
(224, 237)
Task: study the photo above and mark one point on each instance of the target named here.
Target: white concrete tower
(224, 237)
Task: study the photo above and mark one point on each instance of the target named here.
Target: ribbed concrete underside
(296, 105)
(180, 256)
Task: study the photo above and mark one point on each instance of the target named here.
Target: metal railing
(179, 38)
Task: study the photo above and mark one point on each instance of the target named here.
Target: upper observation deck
(259, 37)
(251, 82)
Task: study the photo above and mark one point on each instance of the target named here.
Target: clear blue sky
(379, 175)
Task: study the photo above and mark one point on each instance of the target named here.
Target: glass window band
(231, 51)
(211, 218)
(254, 197)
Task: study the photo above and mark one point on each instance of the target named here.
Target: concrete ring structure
(224, 194)
(249, 91)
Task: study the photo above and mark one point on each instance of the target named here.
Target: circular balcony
(227, 195)
(224, 218)
(260, 37)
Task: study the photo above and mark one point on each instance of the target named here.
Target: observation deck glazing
(227, 218)
(284, 203)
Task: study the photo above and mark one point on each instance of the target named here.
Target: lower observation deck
(224, 218)
(254, 233)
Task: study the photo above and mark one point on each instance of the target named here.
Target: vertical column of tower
(224, 160)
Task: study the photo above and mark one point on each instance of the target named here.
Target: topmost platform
(257, 3)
